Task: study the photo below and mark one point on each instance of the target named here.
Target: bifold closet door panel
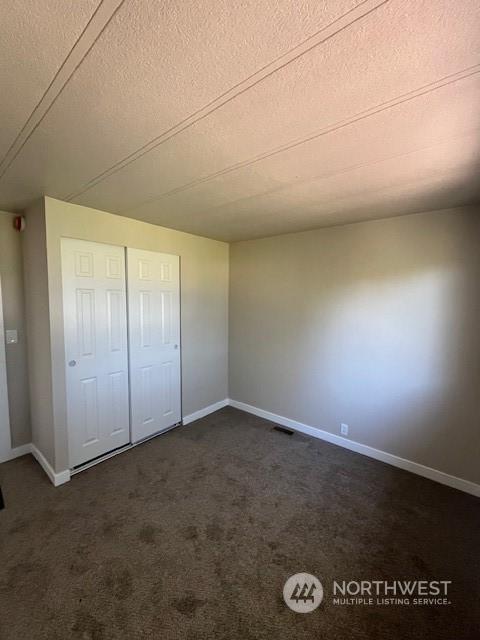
(154, 341)
(96, 348)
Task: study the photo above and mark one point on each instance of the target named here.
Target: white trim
(201, 413)
(16, 452)
(55, 478)
(389, 458)
(64, 476)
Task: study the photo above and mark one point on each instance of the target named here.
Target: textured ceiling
(241, 119)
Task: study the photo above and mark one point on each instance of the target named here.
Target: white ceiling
(241, 119)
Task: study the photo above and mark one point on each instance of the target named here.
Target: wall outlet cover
(11, 336)
(344, 429)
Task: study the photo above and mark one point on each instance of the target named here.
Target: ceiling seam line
(147, 147)
(352, 120)
(424, 180)
(49, 85)
(235, 86)
(55, 98)
(341, 171)
(336, 225)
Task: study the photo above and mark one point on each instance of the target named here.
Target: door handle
(72, 363)
(175, 346)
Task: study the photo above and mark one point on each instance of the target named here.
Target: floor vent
(289, 432)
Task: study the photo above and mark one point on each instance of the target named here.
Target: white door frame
(5, 435)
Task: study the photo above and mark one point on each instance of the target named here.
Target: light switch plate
(11, 336)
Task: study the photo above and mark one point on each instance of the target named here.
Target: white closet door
(96, 348)
(154, 341)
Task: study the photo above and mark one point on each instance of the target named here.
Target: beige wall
(204, 268)
(11, 271)
(38, 331)
(373, 324)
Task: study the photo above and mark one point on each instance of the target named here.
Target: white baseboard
(389, 458)
(408, 465)
(16, 452)
(201, 413)
(64, 476)
(55, 478)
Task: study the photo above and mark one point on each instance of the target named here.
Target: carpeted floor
(193, 534)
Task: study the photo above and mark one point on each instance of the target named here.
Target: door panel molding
(96, 348)
(154, 341)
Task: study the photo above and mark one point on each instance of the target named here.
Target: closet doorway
(122, 346)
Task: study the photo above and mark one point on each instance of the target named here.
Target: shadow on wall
(399, 356)
(373, 325)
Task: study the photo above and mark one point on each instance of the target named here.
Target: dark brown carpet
(192, 535)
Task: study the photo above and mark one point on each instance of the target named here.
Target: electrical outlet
(344, 429)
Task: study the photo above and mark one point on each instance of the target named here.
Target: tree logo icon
(303, 592)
